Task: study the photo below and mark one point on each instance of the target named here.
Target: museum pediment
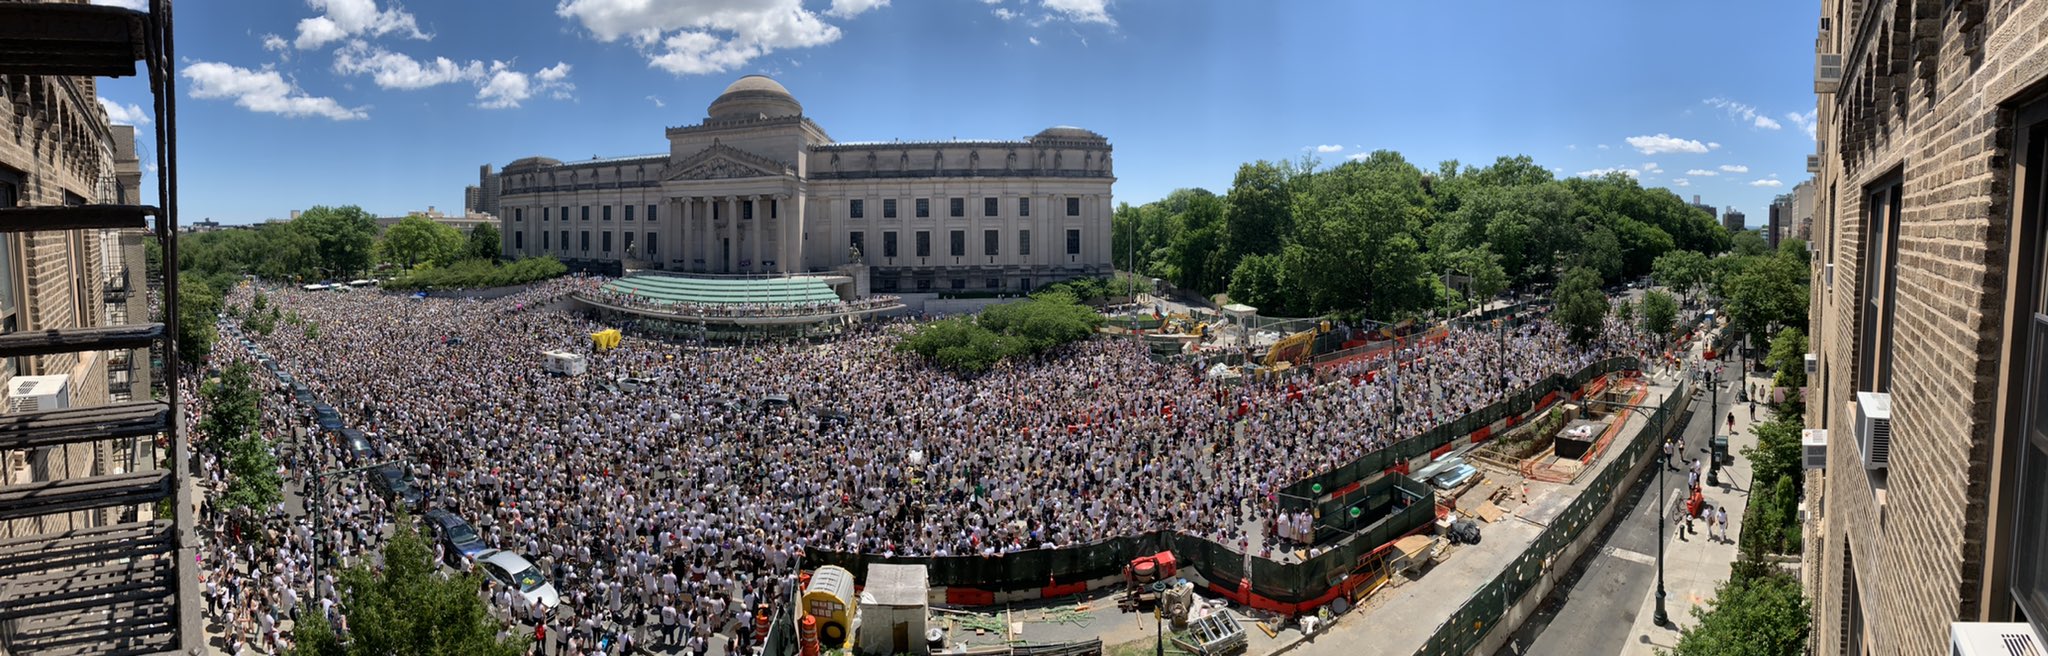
(722, 162)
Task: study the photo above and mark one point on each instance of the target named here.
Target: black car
(358, 444)
(327, 417)
(397, 486)
(460, 540)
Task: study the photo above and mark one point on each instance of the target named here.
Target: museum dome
(754, 96)
(1067, 132)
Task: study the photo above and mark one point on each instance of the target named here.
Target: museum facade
(758, 188)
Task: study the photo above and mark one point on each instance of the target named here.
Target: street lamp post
(1661, 618)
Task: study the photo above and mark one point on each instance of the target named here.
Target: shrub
(478, 273)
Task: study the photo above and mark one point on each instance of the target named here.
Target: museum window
(629, 213)
(774, 208)
(1073, 206)
(605, 238)
(959, 243)
(888, 284)
(544, 214)
(1073, 242)
(1024, 284)
(959, 208)
(888, 208)
(519, 240)
(924, 285)
(518, 214)
(1023, 207)
(565, 216)
(1877, 280)
(586, 212)
(924, 208)
(605, 211)
(565, 241)
(585, 238)
(989, 206)
(989, 240)
(856, 209)
(995, 283)
(650, 213)
(650, 243)
(747, 211)
(546, 243)
(1023, 242)
(924, 243)
(2029, 581)
(629, 241)
(959, 283)
(888, 244)
(858, 241)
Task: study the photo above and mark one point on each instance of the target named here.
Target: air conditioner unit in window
(1813, 443)
(1994, 639)
(1874, 428)
(1812, 163)
(1827, 276)
(1812, 364)
(1827, 72)
(38, 393)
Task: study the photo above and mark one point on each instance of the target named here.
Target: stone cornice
(722, 125)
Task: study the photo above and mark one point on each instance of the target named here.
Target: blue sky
(287, 104)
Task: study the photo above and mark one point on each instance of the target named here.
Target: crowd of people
(677, 506)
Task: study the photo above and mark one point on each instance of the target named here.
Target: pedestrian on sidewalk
(1669, 450)
(1721, 515)
(1708, 515)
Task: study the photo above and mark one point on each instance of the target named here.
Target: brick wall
(1930, 95)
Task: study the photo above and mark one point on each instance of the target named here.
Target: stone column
(754, 234)
(730, 249)
(786, 236)
(682, 246)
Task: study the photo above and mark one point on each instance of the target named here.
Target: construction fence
(1470, 624)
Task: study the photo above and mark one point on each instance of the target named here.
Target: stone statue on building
(853, 255)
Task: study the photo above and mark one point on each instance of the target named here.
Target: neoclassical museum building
(758, 188)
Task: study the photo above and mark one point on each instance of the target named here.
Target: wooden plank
(74, 340)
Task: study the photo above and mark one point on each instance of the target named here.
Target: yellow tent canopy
(605, 340)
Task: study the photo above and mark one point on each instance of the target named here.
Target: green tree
(407, 607)
(417, 239)
(483, 242)
(1788, 356)
(1580, 306)
(1261, 281)
(1778, 451)
(1767, 293)
(1660, 312)
(1031, 326)
(342, 237)
(230, 425)
(1684, 272)
(198, 308)
(1763, 616)
(1750, 243)
(1259, 216)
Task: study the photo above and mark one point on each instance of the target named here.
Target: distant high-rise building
(472, 199)
(1803, 197)
(1780, 221)
(487, 191)
(1734, 220)
(1713, 214)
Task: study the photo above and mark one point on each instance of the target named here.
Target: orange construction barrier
(807, 636)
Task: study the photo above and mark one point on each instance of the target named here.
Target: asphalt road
(1593, 610)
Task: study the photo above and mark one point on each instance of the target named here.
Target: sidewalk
(1696, 565)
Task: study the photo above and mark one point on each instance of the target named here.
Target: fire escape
(117, 575)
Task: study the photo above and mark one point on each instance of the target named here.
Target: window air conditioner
(38, 393)
(1813, 443)
(1812, 364)
(1874, 428)
(1812, 163)
(1827, 276)
(1827, 72)
(1994, 639)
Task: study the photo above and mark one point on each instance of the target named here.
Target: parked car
(459, 540)
(397, 486)
(358, 444)
(327, 417)
(515, 572)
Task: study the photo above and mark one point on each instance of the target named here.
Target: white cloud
(1571, 147)
(1744, 112)
(1651, 167)
(852, 8)
(657, 101)
(391, 70)
(1603, 146)
(1005, 13)
(1664, 143)
(1735, 168)
(506, 88)
(1082, 11)
(262, 91)
(132, 114)
(275, 43)
(133, 5)
(1358, 157)
(1681, 182)
(1601, 173)
(1767, 183)
(1805, 122)
(1034, 40)
(347, 18)
(1702, 173)
(1327, 148)
(1713, 145)
(697, 38)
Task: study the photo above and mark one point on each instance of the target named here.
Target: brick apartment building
(1930, 286)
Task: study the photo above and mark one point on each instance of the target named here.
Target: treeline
(1377, 236)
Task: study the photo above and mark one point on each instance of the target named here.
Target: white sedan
(515, 572)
